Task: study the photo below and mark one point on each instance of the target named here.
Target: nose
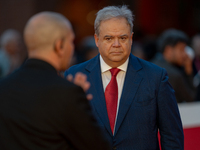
(116, 43)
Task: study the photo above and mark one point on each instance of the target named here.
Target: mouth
(116, 52)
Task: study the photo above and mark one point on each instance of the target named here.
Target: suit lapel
(131, 84)
(96, 89)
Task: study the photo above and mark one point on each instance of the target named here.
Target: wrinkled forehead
(115, 25)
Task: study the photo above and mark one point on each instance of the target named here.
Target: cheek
(126, 47)
(70, 49)
(180, 58)
(70, 55)
(181, 55)
(104, 48)
(70, 46)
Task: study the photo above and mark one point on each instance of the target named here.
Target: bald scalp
(43, 29)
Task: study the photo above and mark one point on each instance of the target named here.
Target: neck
(49, 58)
(116, 64)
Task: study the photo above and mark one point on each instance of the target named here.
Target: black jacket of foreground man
(41, 111)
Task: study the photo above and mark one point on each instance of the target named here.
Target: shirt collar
(105, 67)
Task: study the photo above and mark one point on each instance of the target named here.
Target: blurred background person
(175, 60)
(195, 43)
(144, 47)
(13, 51)
(137, 50)
(4, 63)
(87, 49)
(149, 47)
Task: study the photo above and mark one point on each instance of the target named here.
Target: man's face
(68, 46)
(114, 41)
(179, 54)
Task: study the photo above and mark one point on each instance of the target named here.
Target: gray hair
(110, 12)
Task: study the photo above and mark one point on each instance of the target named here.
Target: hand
(80, 79)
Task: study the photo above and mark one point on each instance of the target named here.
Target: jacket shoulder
(82, 66)
(150, 67)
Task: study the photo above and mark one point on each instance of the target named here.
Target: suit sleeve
(80, 127)
(69, 71)
(66, 73)
(169, 121)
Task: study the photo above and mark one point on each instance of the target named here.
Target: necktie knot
(114, 71)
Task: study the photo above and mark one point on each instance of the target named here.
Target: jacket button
(114, 148)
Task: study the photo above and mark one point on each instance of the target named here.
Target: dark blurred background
(151, 17)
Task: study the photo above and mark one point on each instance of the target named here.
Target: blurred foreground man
(38, 109)
(132, 98)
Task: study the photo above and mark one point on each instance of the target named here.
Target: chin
(118, 59)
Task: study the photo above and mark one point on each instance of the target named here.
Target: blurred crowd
(172, 50)
(12, 51)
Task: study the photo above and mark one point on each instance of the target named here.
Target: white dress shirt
(106, 77)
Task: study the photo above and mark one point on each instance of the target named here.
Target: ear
(58, 47)
(96, 39)
(132, 38)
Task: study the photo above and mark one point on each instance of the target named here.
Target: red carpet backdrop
(190, 115)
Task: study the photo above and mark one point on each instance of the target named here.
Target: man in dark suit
(132, 98)
(39, 110)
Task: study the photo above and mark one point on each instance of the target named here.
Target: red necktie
(111, 96)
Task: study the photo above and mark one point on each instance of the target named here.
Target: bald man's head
(43, 29)
(49, 37)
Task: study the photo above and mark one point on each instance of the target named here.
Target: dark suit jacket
(41, 111)
(147, 104)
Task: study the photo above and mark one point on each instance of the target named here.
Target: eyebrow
(109, 36)
(123, 35)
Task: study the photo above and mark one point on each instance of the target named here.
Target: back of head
(43, 29)
(110, 12)
(171, 37)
